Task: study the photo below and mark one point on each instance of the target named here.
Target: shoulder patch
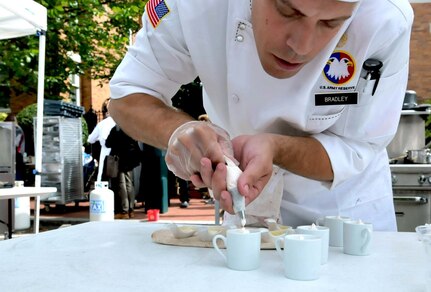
(156, 10)
(340, 68)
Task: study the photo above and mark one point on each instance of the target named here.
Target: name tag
(336, 98)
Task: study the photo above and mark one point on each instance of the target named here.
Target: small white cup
(301, 256)
(422, 230)
(322, 232)
(335, 225)
(427, 245)
(19, 183)
(426, 241)
(243, 248)
(357, 237)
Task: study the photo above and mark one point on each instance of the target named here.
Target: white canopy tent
(22, 18)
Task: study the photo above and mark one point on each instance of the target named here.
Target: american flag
(156, 10)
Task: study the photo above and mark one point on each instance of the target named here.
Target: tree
(96, 30)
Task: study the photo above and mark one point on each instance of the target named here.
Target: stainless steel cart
(62, 159)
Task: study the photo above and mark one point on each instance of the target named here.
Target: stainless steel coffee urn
(411, 129)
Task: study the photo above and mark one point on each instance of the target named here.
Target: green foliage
(96, 30)
(3, 116)
(84, 131)
(26, 115)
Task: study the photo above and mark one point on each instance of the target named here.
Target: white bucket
(22, 210)
(101, 203)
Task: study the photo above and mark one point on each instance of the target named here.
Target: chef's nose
(302, 36)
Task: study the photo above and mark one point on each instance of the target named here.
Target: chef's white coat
(213, 39)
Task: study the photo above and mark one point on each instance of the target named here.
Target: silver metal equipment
(411, 177)
(411, 184)
(62, 159)
(7, 154)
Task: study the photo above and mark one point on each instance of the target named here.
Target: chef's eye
(286, 10)
(332, 23)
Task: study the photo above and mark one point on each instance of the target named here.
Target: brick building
(420, 54)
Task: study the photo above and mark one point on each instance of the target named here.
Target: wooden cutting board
(165, 236)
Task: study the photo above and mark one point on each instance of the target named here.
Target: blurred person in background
(19, 146)
(100, 134)
(129, 154)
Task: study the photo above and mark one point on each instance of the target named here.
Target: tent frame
(24, 18)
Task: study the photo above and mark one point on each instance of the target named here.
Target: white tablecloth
(16, 192)
(120, 256)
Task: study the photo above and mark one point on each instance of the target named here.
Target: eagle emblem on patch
(339, 68)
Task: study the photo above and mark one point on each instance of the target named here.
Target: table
(120, 256)
(16, 192)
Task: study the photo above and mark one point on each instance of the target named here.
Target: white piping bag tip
(233, 173)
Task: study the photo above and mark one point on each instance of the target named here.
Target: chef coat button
(241, 26)
(235, 98)
(239, 38)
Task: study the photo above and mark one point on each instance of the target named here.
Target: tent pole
(39, 127)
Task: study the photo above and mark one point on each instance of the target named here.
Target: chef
(305, 95)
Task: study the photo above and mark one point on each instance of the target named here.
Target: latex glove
(255, 154)
(193, 141)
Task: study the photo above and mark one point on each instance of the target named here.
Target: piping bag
(233, 173)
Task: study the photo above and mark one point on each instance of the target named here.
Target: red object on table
(153, 214)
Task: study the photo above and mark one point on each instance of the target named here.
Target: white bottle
(101, 203)
(22, 210)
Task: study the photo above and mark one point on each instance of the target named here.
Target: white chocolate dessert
(207, 233)
(182, 231)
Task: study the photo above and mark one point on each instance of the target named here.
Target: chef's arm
(304, 156)
(146, 118)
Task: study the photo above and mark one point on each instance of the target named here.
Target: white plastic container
(22, 210)
(101, 203)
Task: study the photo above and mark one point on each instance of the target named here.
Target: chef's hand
(195, 152)
(255, 154)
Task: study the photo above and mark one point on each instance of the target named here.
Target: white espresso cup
(301, 256)
(322, 232)
(426, 241)
(335, 225)
(243, 248)
(357, 237)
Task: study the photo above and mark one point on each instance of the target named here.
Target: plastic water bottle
(22, 210)
(101, 203)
